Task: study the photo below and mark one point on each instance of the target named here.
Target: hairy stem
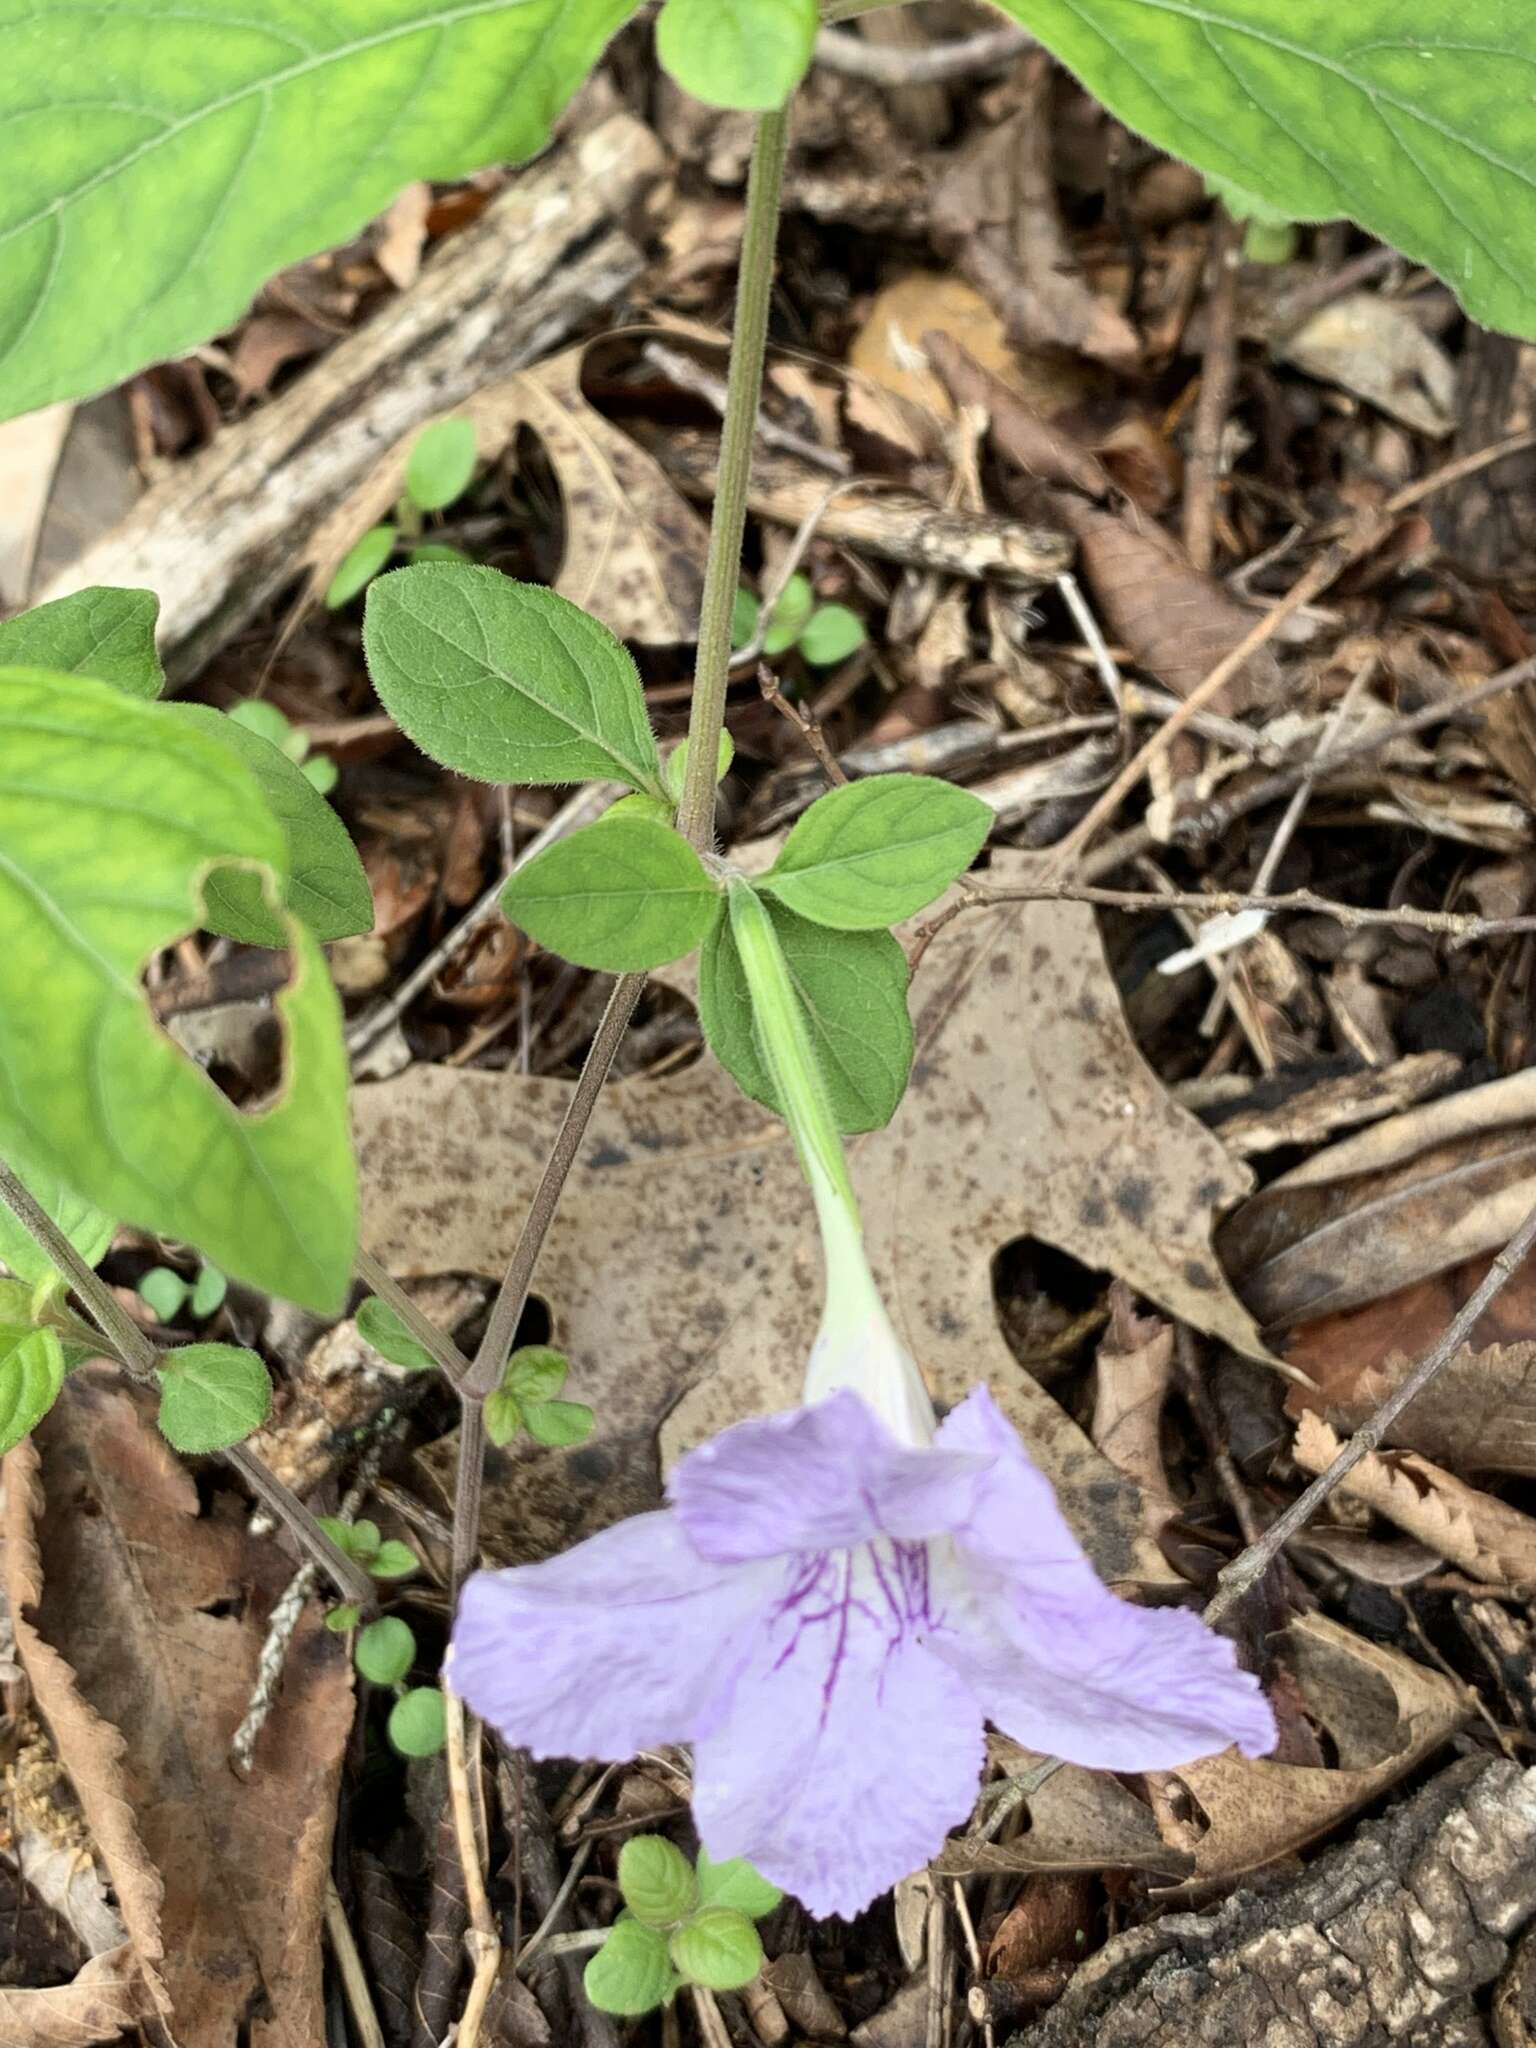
(696, 813)
(137, 1355)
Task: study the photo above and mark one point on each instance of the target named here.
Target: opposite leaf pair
(679, 1926)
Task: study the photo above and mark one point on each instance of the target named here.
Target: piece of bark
(1386, 1939)
(220, 535)
(897, 525)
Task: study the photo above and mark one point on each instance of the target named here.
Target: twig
(807, 728)
(349, 1964)
(1093, 637)
(1245, 1570)
(1218, 379)
(383, 1283)
(579, 810)
(482, 1940)
(713, 2031)
(138, 1356)
(972, 1946)
(688, 375)
(542, 1936)
(943, 64)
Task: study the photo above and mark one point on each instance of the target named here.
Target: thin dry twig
(807, 728)
(1218, 380)
(1246, 1569)
(349, 1964)
(973, 56)
(481, 1939)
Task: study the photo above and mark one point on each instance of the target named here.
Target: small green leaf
(31, 1374)
(418, 1722)
(440, 465)
(436, 551)
(320, 772)
(737, 1885)
(212, 1396)
(657, 1881)
(393, 1560)
(360, 564)
(536, 1372)
(506, 681)
(327, 885)
(384, 1651)
(88, 1230)
(263, 719)
(558, 1424)
(630, 1974)
(745, 612)
(718, 1948)
(853, 989)
(380, 1326)
(503, 1416)
(208, 1293)
(791, 615)
(832, 635)
(342, 1618)
(675, 772)
(619, 895)
(749, 54)
(657, 810)
(163, 1291)
(353, 1539)
(870, 853)
(115, 813)
(100, 632)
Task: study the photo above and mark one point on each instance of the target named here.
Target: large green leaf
(31, 1374)
(101, 632)
(88, 1230)
(870, 853)
(112, 815)
(506, 681)
(1412, 117)
(163, 157)
(327, 885)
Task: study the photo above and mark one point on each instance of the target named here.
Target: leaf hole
(1050, 1307)
(228, 1607)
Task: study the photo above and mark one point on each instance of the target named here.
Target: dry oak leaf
(139, 1622)
(682, 1271)
(1485, 1536)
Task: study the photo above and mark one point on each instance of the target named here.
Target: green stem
(138, 1357)
(722, 572)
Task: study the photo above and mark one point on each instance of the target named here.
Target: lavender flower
(840, 1597)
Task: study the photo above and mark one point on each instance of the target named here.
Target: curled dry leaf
(103, 2002)
(1031, 1113)
(1078, 1820)
(1485, 1536)
(139, 1622)
(1132, 1372)
(1372, 347)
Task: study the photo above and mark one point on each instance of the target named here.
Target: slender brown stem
(138, 1355)
(1249, 1565)
(383, 1283)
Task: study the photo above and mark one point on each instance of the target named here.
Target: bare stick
(138, 1356)
(1249, 1566)
(481, 1939)
(1218, 378)
(349, 1964)
(942, 64)
(807, 728)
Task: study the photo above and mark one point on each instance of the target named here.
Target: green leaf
(506, 681)
(659, 809)
(791, 616)
(657, 1881)
(212, 1396)
(737, 53)
(340, 1619)
(112, 812)
(380, 1326)
(853, 989)
(503, 1416)
(359, 1540)
(440, 465)
(437, 551)
(260, 717)
(619, 895)
(163, 1291)
(536, 1372)
(745, 611)
(832, 635)
(360, 564)
(675, 771)
(208, 1292)
(737, 1885)
(327, 886)
(87, 1228)
(163, 160)
(393, 1560)
(1409, 116)
(873, 852)
(31, 1374)
(320, 772)
(100, 632)
(630, 1974)
(718, 1948)
(418, 1722)
(384, 1651)
(558, 1424)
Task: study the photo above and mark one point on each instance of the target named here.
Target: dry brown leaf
(139, 1621)
(888, 351)
(1030, 1113)
(1177, 623)
(1370, 346)
(30, 448)
(266, 343)
(401, 235)
(1078, 1820)
(1018, 430)
(634, 549)
(1384, 1713)
(1394, 1204)
(1133, 1369)
(104, 2001)
(1485, 1536)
